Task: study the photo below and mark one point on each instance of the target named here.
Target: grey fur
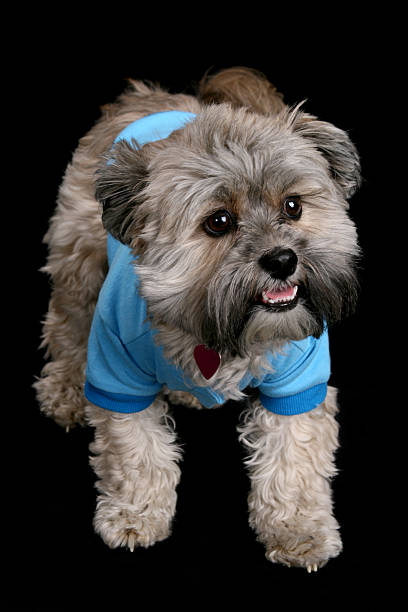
(246, 155)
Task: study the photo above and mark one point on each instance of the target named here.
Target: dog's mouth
(279, 299)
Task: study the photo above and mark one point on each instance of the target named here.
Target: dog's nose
(280, 263)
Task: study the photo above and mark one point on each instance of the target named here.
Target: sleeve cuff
(295, 404)
(117, 402)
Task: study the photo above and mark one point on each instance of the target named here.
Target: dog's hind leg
(290, 464)
(60, 387)
(135, 457)
(181, 398)
(77, 265)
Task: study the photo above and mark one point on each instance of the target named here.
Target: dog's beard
(331, 287)
(226, 311)
(239, 323)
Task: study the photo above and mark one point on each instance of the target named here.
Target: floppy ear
(119, 188)
(336, 146)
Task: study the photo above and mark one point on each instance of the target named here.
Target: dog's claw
(131, 544)
(312, 568)
(67, 429)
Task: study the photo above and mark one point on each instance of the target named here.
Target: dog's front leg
(135, 457)
(290, 464)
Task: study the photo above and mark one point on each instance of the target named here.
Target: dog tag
(207, 360)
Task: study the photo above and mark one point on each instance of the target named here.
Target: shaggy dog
(201, 248)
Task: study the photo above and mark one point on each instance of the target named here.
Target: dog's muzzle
(280, 263)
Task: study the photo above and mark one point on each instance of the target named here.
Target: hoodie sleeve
(115, 378)
(299, 380)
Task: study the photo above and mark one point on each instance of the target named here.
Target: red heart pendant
(207, 360)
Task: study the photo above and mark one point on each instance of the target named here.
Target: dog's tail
(241, 87)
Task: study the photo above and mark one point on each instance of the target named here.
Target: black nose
(280, 263)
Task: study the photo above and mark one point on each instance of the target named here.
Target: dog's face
(240, 223)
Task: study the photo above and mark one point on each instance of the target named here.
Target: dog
(200, 250)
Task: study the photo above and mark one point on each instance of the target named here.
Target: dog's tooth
(268, 300)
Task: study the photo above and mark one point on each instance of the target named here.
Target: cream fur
(290, 463)
(135, 457)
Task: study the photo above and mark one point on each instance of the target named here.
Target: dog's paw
(309, 550)
(125, 526)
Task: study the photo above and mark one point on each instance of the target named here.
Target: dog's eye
(292, 207)
(218, 223)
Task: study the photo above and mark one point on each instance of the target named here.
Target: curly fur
(135, 457)
(290, 463)
(245, 151)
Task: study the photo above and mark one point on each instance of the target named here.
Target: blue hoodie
(126, 369)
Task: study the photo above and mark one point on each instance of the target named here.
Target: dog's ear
(119, 188)
(336, 146)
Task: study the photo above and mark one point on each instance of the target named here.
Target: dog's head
(240, 224)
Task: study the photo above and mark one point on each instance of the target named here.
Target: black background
(63, 67)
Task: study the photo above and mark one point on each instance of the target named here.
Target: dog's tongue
(283, 293)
